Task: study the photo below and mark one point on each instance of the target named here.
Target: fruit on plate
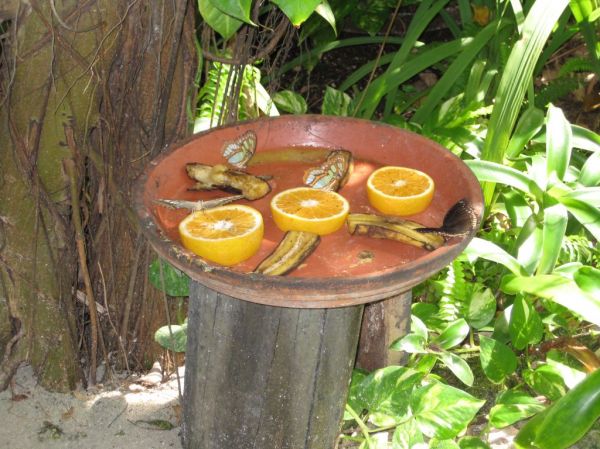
(226, 235)
(309, 210)
(399, 190)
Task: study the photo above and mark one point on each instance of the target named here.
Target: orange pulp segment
(309, 210)
(226, 235)
(399, 190)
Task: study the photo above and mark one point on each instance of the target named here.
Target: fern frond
(555, 90)
(578, 248)
(455, 290)
(576, 65)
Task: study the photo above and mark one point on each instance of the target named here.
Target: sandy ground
(126, 415)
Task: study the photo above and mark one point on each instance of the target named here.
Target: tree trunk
(90, 91)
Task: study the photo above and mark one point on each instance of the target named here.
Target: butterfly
(332, 173)
(240, 150)
(458, 221)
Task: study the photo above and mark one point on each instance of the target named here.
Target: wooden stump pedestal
(264, 377)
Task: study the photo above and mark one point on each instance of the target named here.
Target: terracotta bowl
(344, 270)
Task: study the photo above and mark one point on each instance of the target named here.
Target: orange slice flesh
(400, 190)
(226, 235)
(309, 210)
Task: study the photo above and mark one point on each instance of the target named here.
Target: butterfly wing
(331, 173)
(239, 151)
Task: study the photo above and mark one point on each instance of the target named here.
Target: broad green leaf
(239, 9)
(324, 10)
(335, 102)
(569, 370)
(411, 343)
(555, 225)
(590, 172)
(453, 334)
(223, 24)
(418, 327)
(513, 406)
(457, 365)
(588, 280)
(528, 244)
(472, 443)
(386, 391)
(517, 77)
(443, 411)
(490, 251)
(567, 420)
(588, 195)
(528, 126)
(545, 380)
(176, 342)
(558, 143)
(407, 435)
(173, 282)
(443, 444)
(480, 308)
(455, 70)
(525, 326)
(498, 173)
(586, 214)
(290, 101)
(297, 10)
(355, 393)
(585, 139)
(497, 360)
(559, 289)
(516, 207)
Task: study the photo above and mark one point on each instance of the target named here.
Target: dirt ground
(125, 414)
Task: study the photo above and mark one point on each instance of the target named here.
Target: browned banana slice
(210, 177)
(393, 228)
(289, 254)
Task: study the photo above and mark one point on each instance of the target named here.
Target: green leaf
(239, 9)
(567, 420)
(178, 341)
(453, 334)
(588, 195)
(443, 411)
(223, 24)
(555, 225)
(443, 444)
(335, 102)
(407, 435)
(559, 289)
(386, 391)
(297, 10)
(411, 343)
(480, 307)
(545, 380)
(528, 244)
(525, 326)
(586, 214)
(455, 70)
(517, 77)
(558, 143)
(590, 172)
(528, 126)
(324, 10)
(498, 173)
(418, 327)
(585, 139)
(497, 360)
(588, 280)
(490, 251)
(355, 393)
(472, 443)
(176, 283)
(290, 101)
(513, 406)
(457, 365)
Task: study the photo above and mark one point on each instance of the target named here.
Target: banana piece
(393, 228)
(291, 252)
(209, 177)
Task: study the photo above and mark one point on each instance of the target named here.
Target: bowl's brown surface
(344, 270)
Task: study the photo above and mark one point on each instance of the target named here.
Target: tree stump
(264, 377)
